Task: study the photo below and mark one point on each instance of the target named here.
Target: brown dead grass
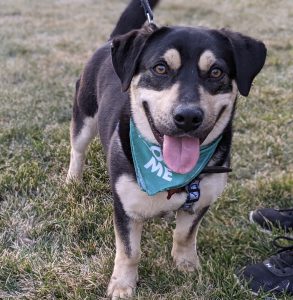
(57, 242)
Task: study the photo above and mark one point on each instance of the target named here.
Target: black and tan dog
(179, 86)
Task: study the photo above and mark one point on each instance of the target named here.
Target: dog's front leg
(127, 236)
(184, 238)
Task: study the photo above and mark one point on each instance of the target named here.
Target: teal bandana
(152, 174)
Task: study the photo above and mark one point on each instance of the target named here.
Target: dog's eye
(216, 73)
(160, 69)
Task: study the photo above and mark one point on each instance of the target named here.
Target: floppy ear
(126, 50)
(249, 55)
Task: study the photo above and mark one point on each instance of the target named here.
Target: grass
(57, 241)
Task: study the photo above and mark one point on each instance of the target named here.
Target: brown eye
(216, 73)
(160, 69)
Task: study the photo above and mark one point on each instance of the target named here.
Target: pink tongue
(180, 154)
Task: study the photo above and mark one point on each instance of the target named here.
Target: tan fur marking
(212, 106)
(206, 60)
(160, 105)
(138, 205)
(173, 59)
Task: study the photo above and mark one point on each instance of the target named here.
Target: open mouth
(180, 154)
(158, 136)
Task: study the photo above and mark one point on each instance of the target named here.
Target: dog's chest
(139, 205)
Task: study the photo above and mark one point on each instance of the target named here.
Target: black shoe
(268, 218)
(274, 275)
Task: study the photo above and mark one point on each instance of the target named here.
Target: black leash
(147, 11)
(216, 169)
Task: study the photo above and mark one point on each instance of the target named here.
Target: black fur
(249, 56)
(122, 221)
(124, 126)
(223, 152)
(200, 214)
(76, 113)
(126, 51)
(132, 18)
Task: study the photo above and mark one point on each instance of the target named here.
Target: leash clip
(150, 20)
(193, 195)
(147, 11)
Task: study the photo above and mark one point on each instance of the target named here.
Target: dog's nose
(188, 118)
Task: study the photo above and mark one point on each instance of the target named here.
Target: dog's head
(184, 83)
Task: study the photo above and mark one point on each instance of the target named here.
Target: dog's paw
(185, 265)
(71, 178)
(186, 262)
(121, 289)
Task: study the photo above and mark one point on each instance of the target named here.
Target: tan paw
(185, 265)
(120, 289)
(186, 262)
(71, 178)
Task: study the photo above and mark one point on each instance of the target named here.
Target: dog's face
(184, 83)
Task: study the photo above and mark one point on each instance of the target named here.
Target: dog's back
(90, 92)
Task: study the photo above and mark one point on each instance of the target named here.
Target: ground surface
(57, 242)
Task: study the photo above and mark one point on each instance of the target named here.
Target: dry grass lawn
(57, 242)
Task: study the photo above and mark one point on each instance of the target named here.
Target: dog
(177, 88)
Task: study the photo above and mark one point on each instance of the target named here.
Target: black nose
(188, 118)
